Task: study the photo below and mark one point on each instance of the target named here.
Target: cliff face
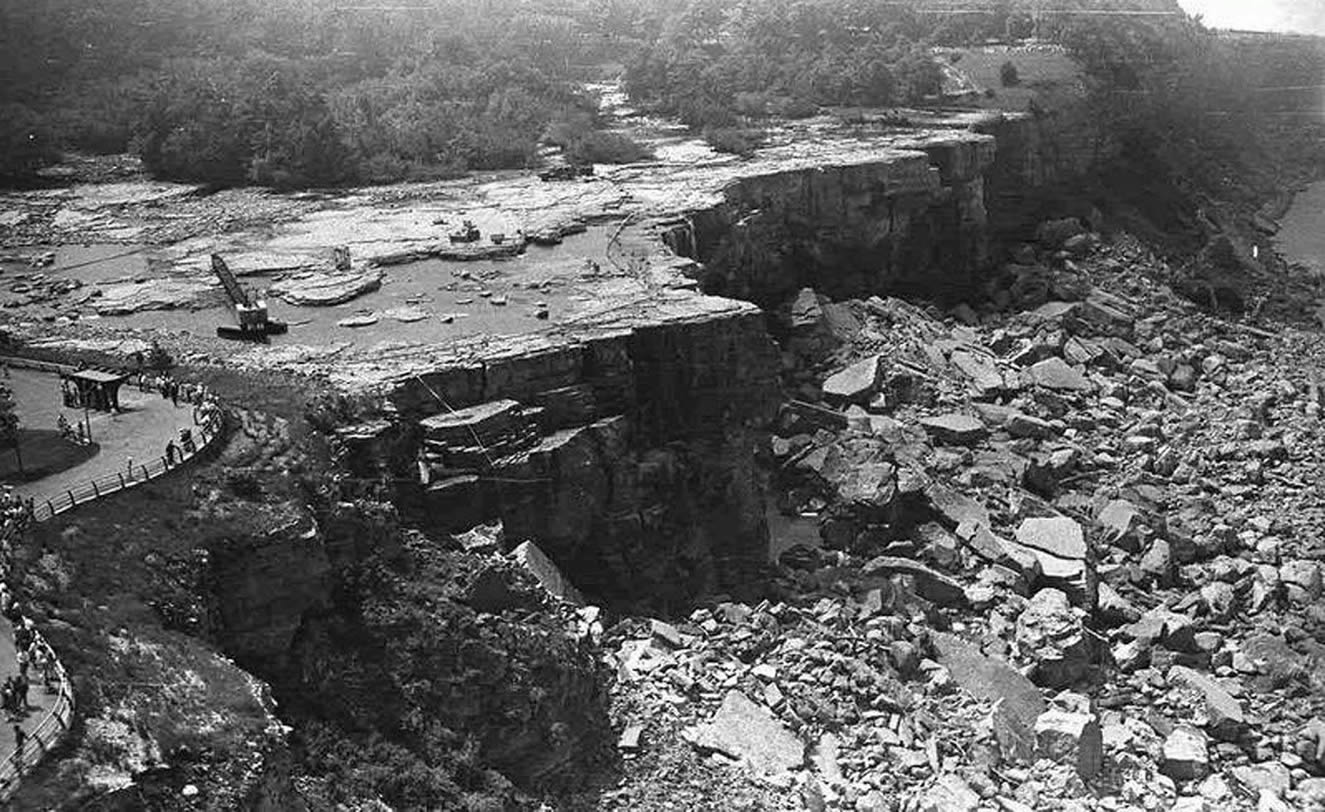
(917, 218)
(906, 220)
(626, 454)
(623, 444)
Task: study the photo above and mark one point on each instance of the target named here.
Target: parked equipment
(254, 323)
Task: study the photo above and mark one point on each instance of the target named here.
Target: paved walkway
(38, 700)
(141, 431)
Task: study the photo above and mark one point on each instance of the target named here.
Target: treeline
(716, 63)
(304, 92)
(315, 92)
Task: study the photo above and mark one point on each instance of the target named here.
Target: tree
(9, 423)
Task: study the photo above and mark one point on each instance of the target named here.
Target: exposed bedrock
(626, 454)
(625, 446)
(913, 220)
(917, 218)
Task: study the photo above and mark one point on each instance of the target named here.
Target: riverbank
(1301, 237)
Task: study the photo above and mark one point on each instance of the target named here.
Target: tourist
(171, 451)
(21, 686)
(20, 740)
(23, 661)
(45, 663)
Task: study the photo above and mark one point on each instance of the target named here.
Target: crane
(254, 324)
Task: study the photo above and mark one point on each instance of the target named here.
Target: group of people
(173, 390)
(73, 432)
(34, 660)
(16, 510)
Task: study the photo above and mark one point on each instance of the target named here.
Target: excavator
(254, 324)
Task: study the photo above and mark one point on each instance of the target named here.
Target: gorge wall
(624, 445)
(917, 218)
(625, 451)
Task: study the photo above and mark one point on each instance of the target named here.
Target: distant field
(1040, 68)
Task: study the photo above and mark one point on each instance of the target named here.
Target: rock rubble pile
(1070, 558)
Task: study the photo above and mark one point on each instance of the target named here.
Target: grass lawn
(44, 453)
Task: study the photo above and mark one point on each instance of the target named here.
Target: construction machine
(254, 323)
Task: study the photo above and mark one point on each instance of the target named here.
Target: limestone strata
(624, 449)
(909, 217)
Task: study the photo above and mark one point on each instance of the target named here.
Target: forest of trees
(301, 92)
(293, 93)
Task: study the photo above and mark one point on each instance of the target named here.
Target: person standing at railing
(20, 741)
(44, 662)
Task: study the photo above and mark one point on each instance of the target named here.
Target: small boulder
(1027, 427)
(1071, 738)
(1301, 580)
(949, 794)
(1050, 635)
(955, 429)
(1054, 234)
(1226, 719)
(856, 383)
(1059, 546)
(1057, 374)
(1186, 755)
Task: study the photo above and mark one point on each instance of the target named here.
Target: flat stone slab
(324, 289)
(1055, 373)
(1226, 719)
(955, 429)
(980, 368)
(362, 320)
(856, 383)
(1020, 702)
(1059, 535)
(119, 299)
(547, 573)
(751, 734)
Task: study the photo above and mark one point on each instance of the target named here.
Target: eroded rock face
(912, 220)
(628, 457)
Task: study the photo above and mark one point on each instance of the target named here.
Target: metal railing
(48, 732)
(57, 720)
(92, 489)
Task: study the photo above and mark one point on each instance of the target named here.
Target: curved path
(139, 432)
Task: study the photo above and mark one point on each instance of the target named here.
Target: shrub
(599, 147)
(733, 140)
(1009, 75)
